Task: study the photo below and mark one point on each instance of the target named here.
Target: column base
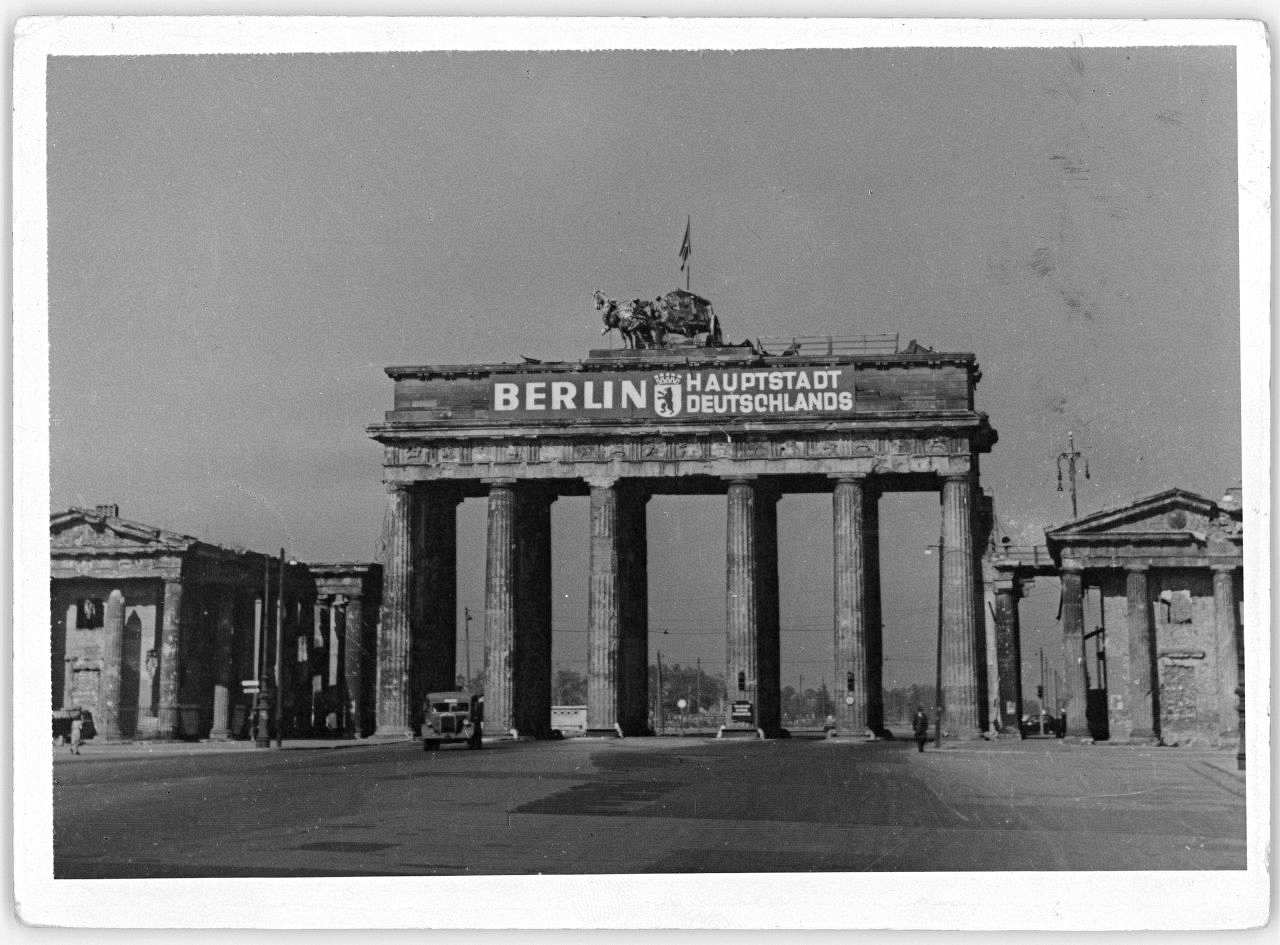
(1143, 738)
(603, 733)
(224, 736)
(738, 731)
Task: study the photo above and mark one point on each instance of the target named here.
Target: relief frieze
(652, 450)
(691, 450)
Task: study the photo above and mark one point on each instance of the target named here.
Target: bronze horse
(635, 321)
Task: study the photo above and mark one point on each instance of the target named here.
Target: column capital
(492, 481)
(1009, 585)
(966, 476)
(858, 477)
(1137, 567)
(395, 485)
(739, 479)
(1224, 567)
(1071, 567)
(601, 481)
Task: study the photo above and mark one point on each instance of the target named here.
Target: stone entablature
(659, 454)
(904, 414)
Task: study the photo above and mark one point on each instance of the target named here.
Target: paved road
(644, 805)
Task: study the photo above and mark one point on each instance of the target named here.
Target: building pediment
(80, 531)
(1174, 512)
(1171, 529)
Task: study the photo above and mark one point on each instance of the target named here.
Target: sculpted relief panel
(944, 455)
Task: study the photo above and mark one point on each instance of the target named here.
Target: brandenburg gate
(624, 425)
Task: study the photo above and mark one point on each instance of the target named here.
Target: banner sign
(670, 395)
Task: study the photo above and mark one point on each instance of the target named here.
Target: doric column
(170, 646)
(961, 699)
(850, 606)
(333, 674)
(317, 665)
(353, 663)
(602, 611)
(1009, 654)
(394, 713)
(768, 644)
(741, 609)
(107, 719)
(1074, 684)
(1224, 623)
(1139, 692)
(531, 686)
(875, 618)
(434, 647)
(500, 607)
(633, 612)
(223, 667)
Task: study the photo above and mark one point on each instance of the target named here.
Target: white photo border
(956, 900)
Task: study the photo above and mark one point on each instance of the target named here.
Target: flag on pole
(686, 245)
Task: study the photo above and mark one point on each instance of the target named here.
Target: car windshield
(445, 707)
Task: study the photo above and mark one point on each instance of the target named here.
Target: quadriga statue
(647, 324)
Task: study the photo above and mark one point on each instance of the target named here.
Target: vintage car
(453, 716)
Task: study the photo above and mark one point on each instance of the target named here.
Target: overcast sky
(240, 244)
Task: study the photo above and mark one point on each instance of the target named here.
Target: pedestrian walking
(920, 727)
(77, 730)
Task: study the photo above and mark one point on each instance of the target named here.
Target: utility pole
(1040, 691)
(280, 657)
(657, 714)
(1071, 455)
(466, 635)
(697, 699)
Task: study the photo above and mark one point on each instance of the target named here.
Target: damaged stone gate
(622, 426)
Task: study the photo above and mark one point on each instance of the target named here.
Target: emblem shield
(667, 395)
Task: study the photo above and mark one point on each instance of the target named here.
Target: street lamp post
(279, 706)
(937, 678)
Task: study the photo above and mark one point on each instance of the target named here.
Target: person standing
(920, 727)
(77, 733)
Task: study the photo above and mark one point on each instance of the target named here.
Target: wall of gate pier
(623, 426)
